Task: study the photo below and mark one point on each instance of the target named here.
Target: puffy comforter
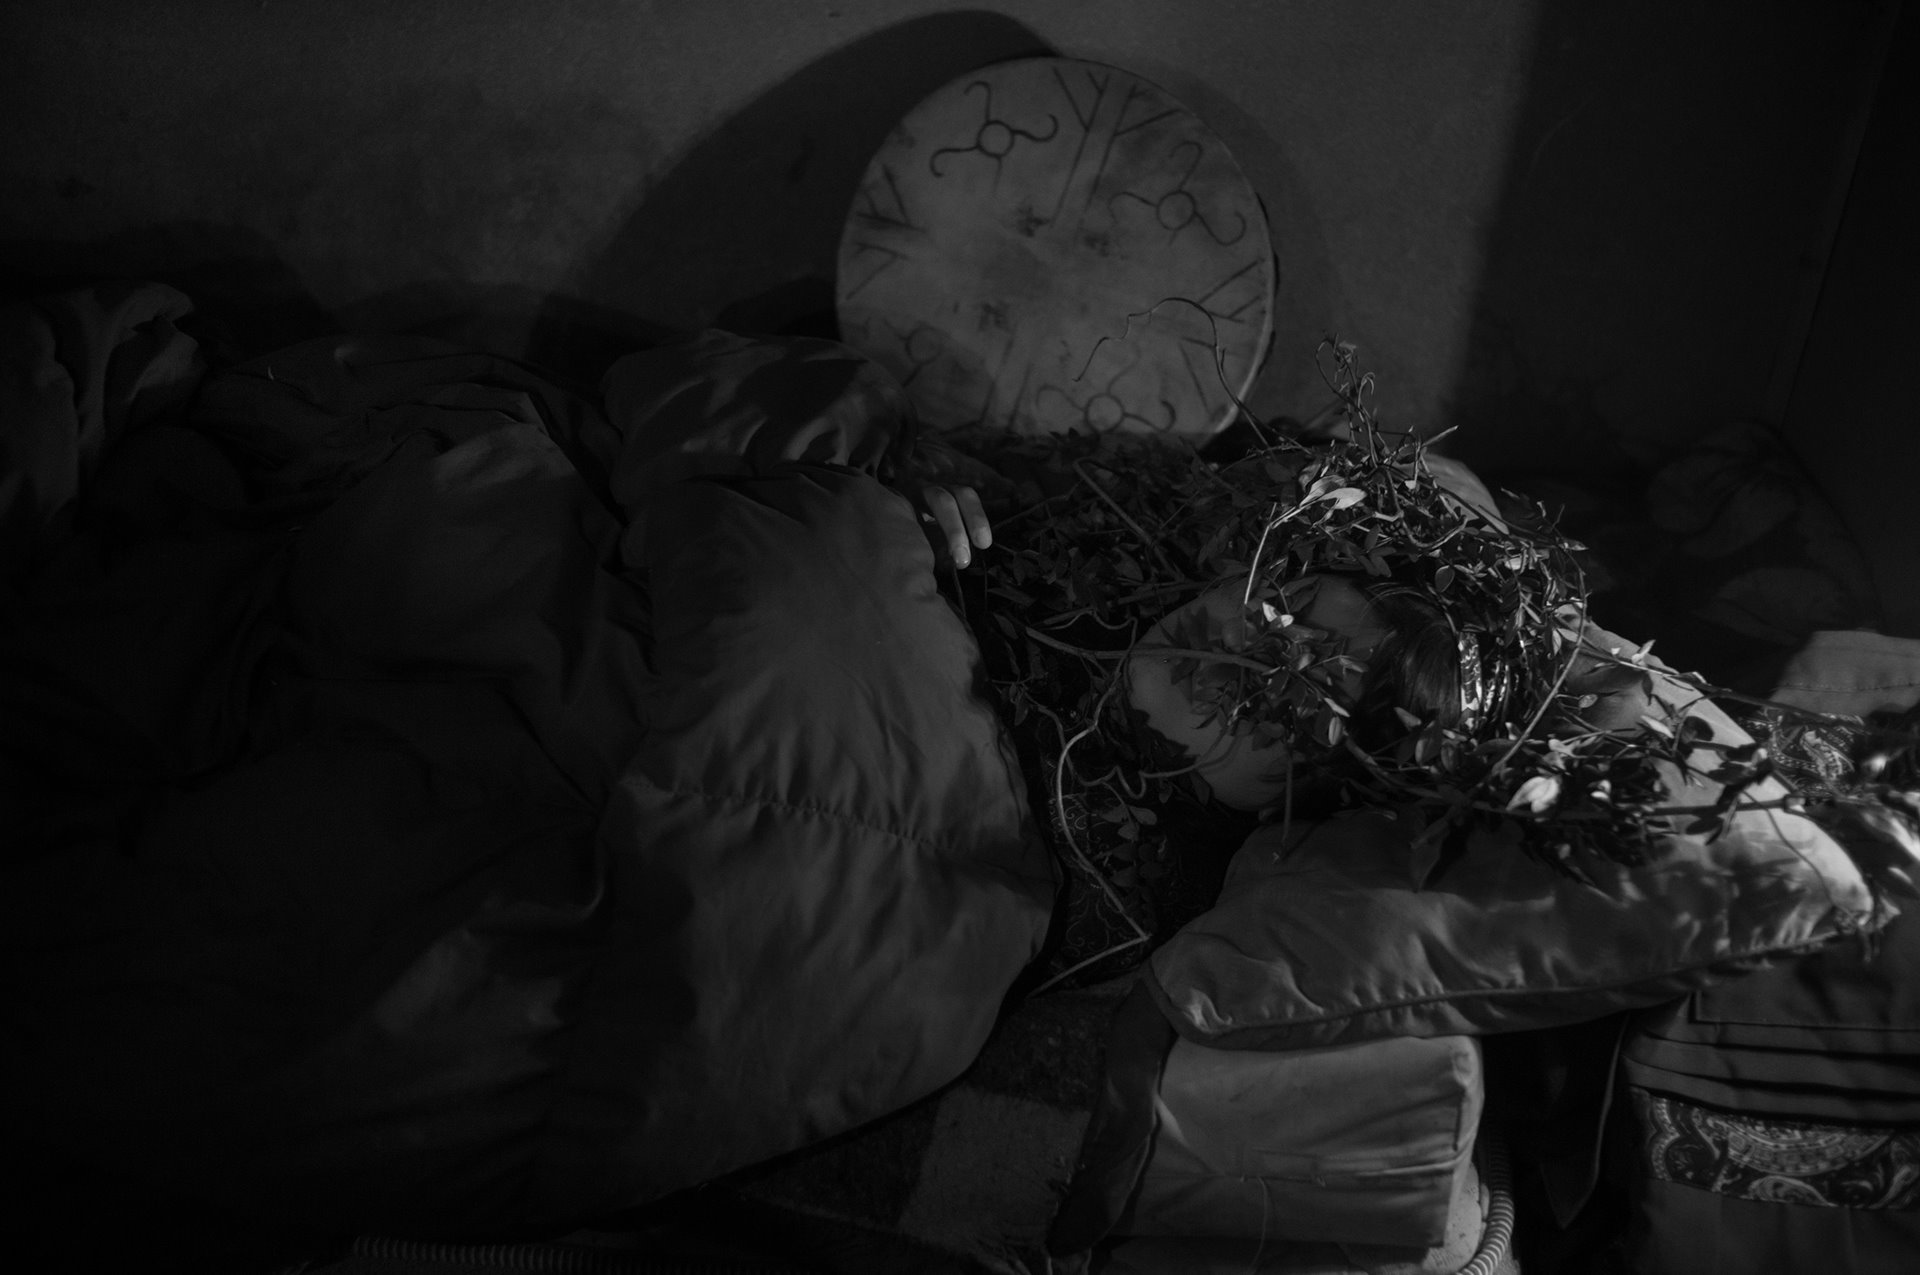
(432, 801)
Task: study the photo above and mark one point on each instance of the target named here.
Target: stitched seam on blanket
(813, 811)
(1557, 989)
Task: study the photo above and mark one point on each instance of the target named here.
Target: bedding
(78, 370)
(1323, 941)
(1479, 1240)
(1775, 1120)
(1368, 1144)
(976, 1172)
(1362, 1144)
(1321, 937)
(429, 819)
(448, 803)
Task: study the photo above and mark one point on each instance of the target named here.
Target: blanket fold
(396, 855)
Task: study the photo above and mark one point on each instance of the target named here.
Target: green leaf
(1331, 729)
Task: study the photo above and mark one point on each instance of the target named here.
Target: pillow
(1852, 671)
(1368, 1143)
(1321, 936)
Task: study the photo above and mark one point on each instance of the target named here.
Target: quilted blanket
(437, 804)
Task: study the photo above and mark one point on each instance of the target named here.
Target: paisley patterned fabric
(1778, 1161)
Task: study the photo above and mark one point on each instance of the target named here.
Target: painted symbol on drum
(921, 346)
(1106, 409)
(1177, 209)
(1038, 213)
(995, 138)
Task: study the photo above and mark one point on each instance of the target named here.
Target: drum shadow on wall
(743, 231)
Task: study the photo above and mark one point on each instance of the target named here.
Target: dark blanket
(424, 817)
(979, 1170)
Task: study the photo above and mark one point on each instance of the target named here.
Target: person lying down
(1196, 649)
(1193, 642)
(447, 807)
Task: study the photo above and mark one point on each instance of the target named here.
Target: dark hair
(1416, 668)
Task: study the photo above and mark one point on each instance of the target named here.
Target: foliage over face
(1115, 531)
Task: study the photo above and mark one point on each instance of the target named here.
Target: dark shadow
(742, 233)
(247, 299)
(564, 336)
(1668, 175)
(745, 228)
(1665, 207)
(1667, 203)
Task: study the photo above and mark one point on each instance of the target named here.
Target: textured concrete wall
(1573, 228)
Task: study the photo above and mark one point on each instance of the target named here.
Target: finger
(974, 514)
(953, 528)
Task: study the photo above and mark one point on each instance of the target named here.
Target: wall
(1575, 229)
(1853, 417)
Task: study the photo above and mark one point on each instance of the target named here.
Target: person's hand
(958, 520)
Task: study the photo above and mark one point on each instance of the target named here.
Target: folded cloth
(1365, 1144)
(1773, 1123)
(1834, 1035)
(80, 370)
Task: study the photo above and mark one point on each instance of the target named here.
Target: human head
(1398, 654)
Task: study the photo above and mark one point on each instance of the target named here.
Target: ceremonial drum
(1051, 244)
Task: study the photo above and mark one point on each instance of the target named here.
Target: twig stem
(1147, 542)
